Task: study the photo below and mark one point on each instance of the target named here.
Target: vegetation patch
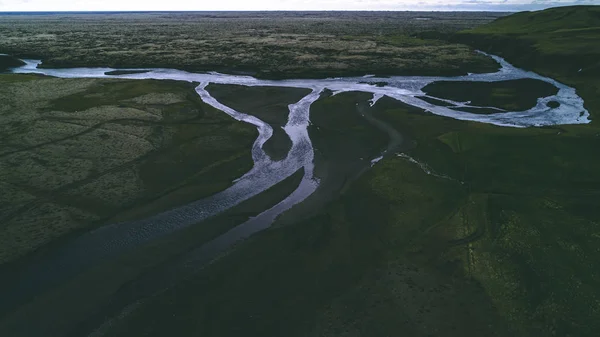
(125, 72)
(377, 84)
(81, 153)
(434, 101)
(557, 37)
(477, 110)
(514, 95)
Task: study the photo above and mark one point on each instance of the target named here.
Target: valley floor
(460, 229)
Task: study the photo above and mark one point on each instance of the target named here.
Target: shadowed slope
(562, 41)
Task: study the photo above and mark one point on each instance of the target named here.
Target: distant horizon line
(269, 10)
(449, 9)
(437, 8)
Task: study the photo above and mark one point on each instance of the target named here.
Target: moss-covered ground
(562, 41)
(77, 154)
(514, 95)
(264, 44)
(475, 230)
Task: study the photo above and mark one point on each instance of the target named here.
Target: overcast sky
(200, 5)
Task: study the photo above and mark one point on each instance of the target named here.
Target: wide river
(91, 248)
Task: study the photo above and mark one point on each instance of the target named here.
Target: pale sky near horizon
(203, 5)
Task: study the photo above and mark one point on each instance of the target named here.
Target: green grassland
(559, 42)
(125, 72)
(77, 154)
(515, 95)
(268, 45)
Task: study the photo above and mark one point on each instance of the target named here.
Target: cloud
(95, 5)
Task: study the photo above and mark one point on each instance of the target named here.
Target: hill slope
(561, 41)
(544, 295)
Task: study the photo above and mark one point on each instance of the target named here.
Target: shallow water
(93, 247)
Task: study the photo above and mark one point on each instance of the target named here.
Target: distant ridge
(546, 21)
(563, 41)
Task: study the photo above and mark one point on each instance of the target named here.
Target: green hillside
(561, 41)
(550, 20)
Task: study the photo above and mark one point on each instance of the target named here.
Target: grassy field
(77, 154)
(559, 42)
(268, 45)
(515, 95)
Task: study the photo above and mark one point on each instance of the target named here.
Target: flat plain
(264, 44)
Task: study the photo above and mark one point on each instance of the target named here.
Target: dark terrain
(462, 229)
(7, 61)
